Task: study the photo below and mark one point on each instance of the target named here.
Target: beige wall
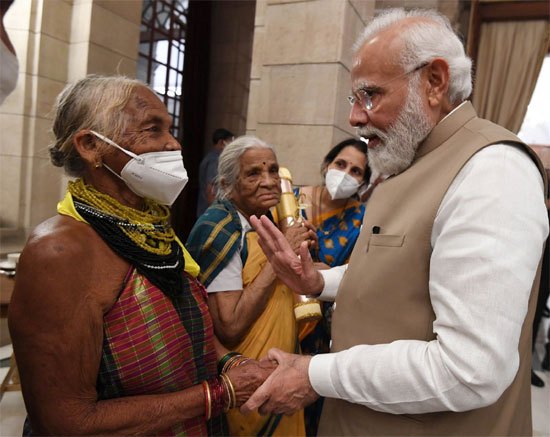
(300, 78)
(450, 8)
(56, 41)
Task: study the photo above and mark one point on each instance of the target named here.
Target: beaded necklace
(144, 238)
(149, 229)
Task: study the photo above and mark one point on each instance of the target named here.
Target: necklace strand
(149, 229)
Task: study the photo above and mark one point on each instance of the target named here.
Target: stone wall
(57, 41)
(300, 78)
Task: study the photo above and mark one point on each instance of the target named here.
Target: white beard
(398, 145)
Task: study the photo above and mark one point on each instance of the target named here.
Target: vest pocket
(386, 240)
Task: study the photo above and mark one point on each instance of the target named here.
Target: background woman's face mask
(160, 176)
(340, 185)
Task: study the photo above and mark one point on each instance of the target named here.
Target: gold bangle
(208, 399)
(228, 406)
(234, 362)
(233, 395)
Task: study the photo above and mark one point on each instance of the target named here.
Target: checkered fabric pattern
(153, 344)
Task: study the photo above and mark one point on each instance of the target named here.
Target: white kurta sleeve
(487, 241)
(332, 278)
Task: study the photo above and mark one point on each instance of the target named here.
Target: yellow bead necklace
(149, 229)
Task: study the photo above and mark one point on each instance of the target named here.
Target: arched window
(161, 53)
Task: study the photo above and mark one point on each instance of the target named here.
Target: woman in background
(252, 310)
(334, 207)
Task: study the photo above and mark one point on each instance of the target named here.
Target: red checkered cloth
(154, 344)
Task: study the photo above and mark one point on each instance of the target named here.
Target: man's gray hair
(94, 102)
(229, 165)
(424, 41)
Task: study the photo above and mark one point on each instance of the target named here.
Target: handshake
(278, 383)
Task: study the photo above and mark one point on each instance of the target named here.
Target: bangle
(230, 363)
(219, 396)
(228, 406)
(234, 362)
(242, 361)
(207, 400)
(223, 361)
(232, 393)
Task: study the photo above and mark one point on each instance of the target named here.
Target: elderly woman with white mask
(110, 326)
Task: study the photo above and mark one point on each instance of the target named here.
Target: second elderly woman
(252, 310)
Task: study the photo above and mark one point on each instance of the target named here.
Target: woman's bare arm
(235, 311)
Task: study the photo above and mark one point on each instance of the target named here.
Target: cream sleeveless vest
(384, 295)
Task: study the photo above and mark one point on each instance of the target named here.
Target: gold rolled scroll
(288, 213)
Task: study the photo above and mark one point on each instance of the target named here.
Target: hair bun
(57, 156)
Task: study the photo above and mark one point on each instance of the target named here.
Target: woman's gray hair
(424, 41)
(229, 165)
(94, 102)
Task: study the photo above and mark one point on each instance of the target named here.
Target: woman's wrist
(219, 396)
(219, 392)
(230, 360)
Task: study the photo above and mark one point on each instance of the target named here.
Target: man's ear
(86, 144)
(438, 82)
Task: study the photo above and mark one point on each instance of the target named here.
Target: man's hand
(287, 389)
(296, 271)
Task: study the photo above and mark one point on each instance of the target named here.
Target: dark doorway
(174, 60)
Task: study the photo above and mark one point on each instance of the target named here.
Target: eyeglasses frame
(367, 99)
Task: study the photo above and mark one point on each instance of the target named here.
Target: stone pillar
(104, 37)
(300, 78)
(40, 32)
(57, 41)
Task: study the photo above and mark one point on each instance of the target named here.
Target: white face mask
(340, 185)
(160, 176)
(9, 71)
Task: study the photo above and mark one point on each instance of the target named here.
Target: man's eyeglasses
(364, 96)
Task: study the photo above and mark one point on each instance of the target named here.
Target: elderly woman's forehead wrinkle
(142, 103)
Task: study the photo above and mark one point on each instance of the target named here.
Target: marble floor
(12, 408)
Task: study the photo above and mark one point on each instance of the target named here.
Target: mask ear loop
(363, 188)
(112, 143)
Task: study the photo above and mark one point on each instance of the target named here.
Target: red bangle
(219, 396)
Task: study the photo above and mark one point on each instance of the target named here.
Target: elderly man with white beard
(431, 331)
